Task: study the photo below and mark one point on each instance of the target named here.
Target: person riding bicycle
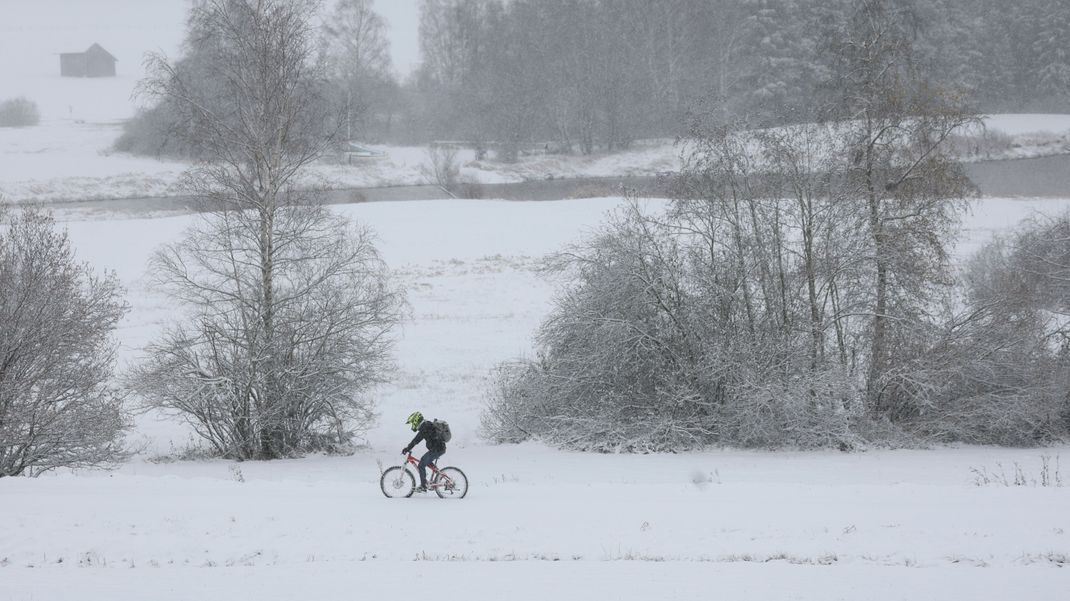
(436, 446)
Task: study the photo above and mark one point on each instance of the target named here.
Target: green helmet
(414, 420)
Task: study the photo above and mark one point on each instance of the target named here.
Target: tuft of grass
(190, 451)
(821, 560)
(1061, 560)
(504, 479)
(1048, 476)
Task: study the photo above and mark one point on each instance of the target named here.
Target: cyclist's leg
(424, 462)
(428, 458)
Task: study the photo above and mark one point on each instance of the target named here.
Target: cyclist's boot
(420, 488)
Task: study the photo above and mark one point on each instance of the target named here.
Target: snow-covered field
(538, 523)
(723, 524)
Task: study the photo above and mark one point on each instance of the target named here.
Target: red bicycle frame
(434, 480)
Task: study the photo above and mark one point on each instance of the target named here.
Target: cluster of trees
(799, 292)
(287, 307)
(753, 322)
(596, 74)
(587, 74)
(353, 86)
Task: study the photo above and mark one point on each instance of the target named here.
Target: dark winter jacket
(428, 432)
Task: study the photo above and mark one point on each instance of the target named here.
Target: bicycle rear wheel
(451, 483)
(397, 482)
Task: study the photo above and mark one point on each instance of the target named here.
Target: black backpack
(442, 430)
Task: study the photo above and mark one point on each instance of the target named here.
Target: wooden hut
(94, 62)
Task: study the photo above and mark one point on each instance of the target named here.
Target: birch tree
(896, 120)
(357, 52)
(289, 308)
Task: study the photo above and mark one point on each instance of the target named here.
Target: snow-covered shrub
(155, 132)
(816, 411)
(611, 374)
(441, 168)
(56, 352)
(19, 112)
(649, 349)
(1000, 370)
(979, 143)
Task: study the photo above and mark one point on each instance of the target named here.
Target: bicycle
(400, 481)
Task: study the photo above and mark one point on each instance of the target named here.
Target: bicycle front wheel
(397, 482)
(451, 484)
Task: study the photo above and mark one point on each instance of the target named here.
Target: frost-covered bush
(611, 372)
(56, 352)
(1000, 370)
(155, 132)
(815, 411)
(19, 112)
(641, 354)
(441, 168)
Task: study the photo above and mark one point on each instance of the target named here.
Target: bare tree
(895, 120)
(998, 371)
(356, 36)
(289, 308)
(358, 59)
(56, 352)
(258, 393)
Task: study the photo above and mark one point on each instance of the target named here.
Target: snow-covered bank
(66, 160)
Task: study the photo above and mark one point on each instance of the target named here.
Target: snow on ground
(65, 159)
(1016, 125)
(730, 524)
(1026, 136)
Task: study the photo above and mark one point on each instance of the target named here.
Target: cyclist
(436, 447)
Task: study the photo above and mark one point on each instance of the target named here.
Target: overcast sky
(403, 17)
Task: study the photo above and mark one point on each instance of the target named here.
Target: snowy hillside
(876, 525)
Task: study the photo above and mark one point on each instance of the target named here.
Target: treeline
(595, 74)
